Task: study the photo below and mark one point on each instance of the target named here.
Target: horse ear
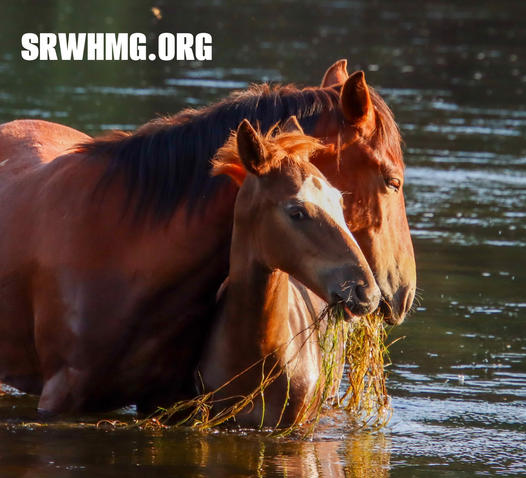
(355, 99)
(335, 74)
(250, 148)
(292, 126)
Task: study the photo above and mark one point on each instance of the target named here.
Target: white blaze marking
(326, 198)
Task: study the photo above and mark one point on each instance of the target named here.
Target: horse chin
(386, 310)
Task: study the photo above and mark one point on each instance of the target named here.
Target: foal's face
(297, 225)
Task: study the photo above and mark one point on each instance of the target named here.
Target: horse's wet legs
(60, 393)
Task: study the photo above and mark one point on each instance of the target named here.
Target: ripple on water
(468, 431)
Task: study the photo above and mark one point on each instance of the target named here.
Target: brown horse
(264, 315)
(111, 254)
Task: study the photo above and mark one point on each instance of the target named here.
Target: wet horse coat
(111, 254)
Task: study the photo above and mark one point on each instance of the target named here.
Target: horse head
(292, 218)
(364, 161)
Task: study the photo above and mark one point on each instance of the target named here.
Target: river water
(454, 73)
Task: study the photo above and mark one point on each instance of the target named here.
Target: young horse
(105, 298)
(287, 220)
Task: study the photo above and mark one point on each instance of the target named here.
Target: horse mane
(386, 137)
(167, 161)
(280, 147)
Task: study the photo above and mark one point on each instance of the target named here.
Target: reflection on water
(64, 449)
(454, 73)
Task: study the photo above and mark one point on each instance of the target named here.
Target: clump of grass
(366, 358)
(357, 348)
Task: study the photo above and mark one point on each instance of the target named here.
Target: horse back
(28, 143)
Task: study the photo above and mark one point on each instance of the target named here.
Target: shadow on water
(454, 73)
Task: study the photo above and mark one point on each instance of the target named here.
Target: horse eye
(393, 183)
(297, 212)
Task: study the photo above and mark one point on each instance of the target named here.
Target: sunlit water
(455, 75)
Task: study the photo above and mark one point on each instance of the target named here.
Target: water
(454, 73)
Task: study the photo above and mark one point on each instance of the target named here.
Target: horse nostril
(361, 293)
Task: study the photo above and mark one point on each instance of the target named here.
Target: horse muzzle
(395, 309)
(358, 299)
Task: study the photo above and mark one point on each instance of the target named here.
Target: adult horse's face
(364, 161)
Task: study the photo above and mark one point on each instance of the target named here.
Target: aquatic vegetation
(366, 357)
(356, 347)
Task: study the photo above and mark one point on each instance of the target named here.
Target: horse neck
(256, 307)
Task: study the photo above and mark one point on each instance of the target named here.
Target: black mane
(167, 161)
